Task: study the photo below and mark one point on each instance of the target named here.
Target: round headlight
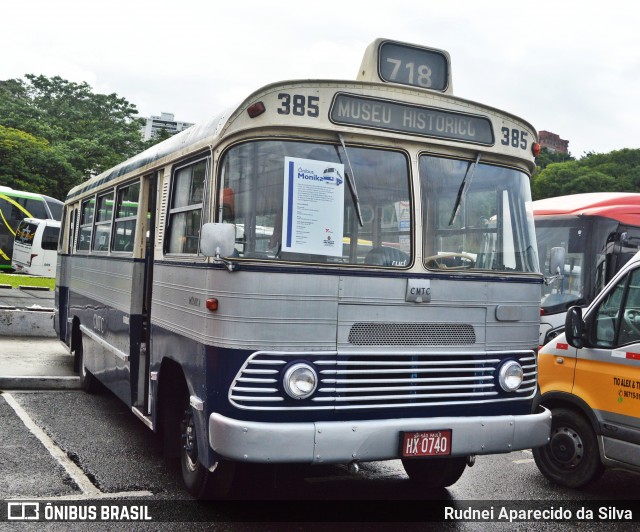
(300, 381)
(510, 376)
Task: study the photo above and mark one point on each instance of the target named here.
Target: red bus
(583, 241)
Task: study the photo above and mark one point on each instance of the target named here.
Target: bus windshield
(288, 202)
(568, 290)
(490, 226)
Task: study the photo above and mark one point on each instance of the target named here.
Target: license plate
(429, 443)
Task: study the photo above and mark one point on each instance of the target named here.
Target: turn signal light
(535, 149)
(211, 304)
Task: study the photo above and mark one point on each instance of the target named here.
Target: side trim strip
(102, 342)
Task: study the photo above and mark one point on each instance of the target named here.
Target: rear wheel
(202, 483)
(87, 381)
(571, 458)
(435, 473)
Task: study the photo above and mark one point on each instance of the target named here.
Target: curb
(27, 322)
(39, 383)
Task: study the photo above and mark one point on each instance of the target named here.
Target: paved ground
(31, 356)
(23, 298)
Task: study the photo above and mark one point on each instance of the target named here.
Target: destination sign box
(412, 65)
(389, 115)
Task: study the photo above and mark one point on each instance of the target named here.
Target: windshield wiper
(469, 173)
(351, 180)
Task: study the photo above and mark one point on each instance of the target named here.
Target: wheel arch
(172, 383)
(553, 400)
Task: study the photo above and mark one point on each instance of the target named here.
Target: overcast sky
(567, 66)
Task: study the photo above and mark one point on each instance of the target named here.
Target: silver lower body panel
(372, 440)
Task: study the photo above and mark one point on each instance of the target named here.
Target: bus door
(148, 223)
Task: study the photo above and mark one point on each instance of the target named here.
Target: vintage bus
(15, 206)
(583, 241)
(330, 272)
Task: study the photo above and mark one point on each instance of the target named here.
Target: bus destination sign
(413, 65)
(388, 115)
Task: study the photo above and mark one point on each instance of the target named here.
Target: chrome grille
(412, 334)
(382, 380)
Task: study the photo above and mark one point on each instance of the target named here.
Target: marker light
(535, 149)
(211, 304)
(256, 109)
(510, 376)
(300, 381)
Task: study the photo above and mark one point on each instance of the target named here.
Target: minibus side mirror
(217, 240)
(574, 328)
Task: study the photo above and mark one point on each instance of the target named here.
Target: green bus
(15, 206)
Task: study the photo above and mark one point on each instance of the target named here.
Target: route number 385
(298, 104)
(514, 138)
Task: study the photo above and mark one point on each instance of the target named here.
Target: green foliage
(31, 163)
(76, 132)
(16, 280)
(548, 157)
(617, 171)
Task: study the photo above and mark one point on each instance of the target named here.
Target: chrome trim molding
(103, 343)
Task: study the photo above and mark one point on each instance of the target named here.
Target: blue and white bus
(253, 311)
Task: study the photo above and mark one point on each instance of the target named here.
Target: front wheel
(571, 458)
(202, 483)
(435, 473)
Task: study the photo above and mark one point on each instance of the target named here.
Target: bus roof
(205, 134)
(621, 206)
(8, 191)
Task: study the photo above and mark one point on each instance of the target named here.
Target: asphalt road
(66, 445)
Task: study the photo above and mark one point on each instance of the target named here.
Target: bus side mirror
(218, 240)
(574, 328)
(556, 261)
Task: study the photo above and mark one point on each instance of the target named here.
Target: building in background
(553, 142)
(165, 121)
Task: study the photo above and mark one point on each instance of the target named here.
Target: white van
(35, 247)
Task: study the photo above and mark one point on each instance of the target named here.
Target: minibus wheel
(571, 458)
(435, 473)
(202, 483)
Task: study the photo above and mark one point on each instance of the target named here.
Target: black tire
(571, 458)
(435, 473)
(201, 482)
(87, 381)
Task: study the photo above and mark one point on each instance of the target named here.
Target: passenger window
(103, 222)
(86, 224)
(185, 214)
(617, 320)
(630, 329)
(125, 217)
(50, 237)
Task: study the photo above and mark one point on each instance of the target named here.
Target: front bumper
(344, 441)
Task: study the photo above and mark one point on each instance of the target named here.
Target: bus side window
(103, 222)
(86, 224)
(185, 214)
(125, 217)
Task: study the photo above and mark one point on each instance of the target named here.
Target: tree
(87, 132)
(617, 171)
(30, 163)
(548, 157)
